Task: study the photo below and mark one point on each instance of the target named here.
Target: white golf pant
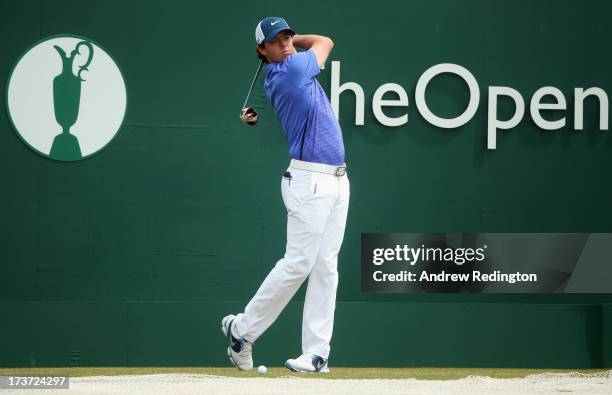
(317, 206)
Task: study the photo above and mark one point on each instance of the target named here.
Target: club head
(249, 116)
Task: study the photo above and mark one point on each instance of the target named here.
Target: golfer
(315, 190)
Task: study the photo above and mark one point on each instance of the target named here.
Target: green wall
(133, 256)
(179, 333)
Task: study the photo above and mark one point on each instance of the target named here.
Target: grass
(336, 372)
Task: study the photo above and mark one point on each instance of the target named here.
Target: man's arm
(320, 45)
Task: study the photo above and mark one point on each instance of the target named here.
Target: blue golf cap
(269, 27)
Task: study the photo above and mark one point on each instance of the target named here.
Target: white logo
(66, 98)
(274, 23)
(494, 123)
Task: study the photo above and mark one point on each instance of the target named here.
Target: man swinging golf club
(315, 190)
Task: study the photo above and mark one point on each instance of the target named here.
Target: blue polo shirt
(303, 109)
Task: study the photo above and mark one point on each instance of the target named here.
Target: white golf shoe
(308, 362)
(239, 351)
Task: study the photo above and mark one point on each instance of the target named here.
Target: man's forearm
(306, 41)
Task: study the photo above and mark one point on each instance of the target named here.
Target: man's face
(278, 49)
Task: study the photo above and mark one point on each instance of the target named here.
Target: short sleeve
(302, 67)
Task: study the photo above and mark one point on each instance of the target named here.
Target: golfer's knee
(327, 265)
(296, 268)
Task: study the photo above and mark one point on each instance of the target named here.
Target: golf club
(248, 115)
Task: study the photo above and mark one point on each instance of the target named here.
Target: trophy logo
(66, 98)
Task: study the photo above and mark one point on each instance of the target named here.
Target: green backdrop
(132, 257)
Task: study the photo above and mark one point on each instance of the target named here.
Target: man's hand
(320, 45)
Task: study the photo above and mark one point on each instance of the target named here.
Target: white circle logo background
(30, 96)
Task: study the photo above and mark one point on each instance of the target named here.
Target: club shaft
(252, 84)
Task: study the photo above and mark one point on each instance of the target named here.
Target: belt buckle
(340, 171)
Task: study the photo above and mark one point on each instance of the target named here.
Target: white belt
(337, 171)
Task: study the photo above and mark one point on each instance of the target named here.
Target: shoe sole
(229, 341)
(223, 328)
(322, 370)
(292, 368)
(229, 355)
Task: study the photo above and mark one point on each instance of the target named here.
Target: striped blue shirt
(303, 109)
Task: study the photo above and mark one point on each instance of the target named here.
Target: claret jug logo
(66, 98)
